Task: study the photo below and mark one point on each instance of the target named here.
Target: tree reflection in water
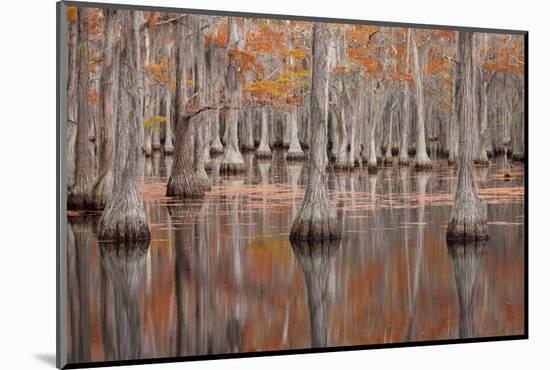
(78, 266)
(467, 260)
(317, 259)
(203, 326)
(220, 275)
(124, 267)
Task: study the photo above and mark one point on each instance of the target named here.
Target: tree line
(196, 86)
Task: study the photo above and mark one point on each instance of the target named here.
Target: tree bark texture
(316, 220)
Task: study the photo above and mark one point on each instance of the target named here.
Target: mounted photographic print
(235, 184)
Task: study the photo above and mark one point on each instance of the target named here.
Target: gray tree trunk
(421, 161)
(103, 188)
(72, 100)
(168, 134)
(467, 221)
(202, 147)
(233, 161)
(182, 181)
(124, 218)
(455, 118)
(294, 152)
(80, 195)
(264, 151)
(406, 122)
(216, 146)
(388, 159)
(316, 220)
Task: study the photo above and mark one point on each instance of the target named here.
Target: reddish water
(220, 276)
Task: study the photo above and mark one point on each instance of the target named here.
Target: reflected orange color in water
(220, 275)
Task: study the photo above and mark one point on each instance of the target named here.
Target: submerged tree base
(80, 197)
(295, 156)
(481, 162)
(403, 161)
(341, 166)
(184, 187)
(423, 166)
(307, 226)
(234, 168)
(124, 222)
(468, 230)
(263, 154)
(214, 150)
(247, 148)
(103, 191)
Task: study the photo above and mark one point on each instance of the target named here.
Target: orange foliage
(444, 33)
(153, 18)
(340, 69)
(401, 74)
(246, 60)
(365, 61)
(507, 56)
(219, 36)
(72, 13)
(436, 64)
(159, 71)
(265, 40)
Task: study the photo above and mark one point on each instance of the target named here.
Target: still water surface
(220, 276)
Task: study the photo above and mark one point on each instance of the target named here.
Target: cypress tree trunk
(455, 118)
(233, 160)
(216, 146)
(168, 135)
(378, 102)
(406, 122)
(335, 136)
(421, 161)
(519, 137)
(388, 160)
(80, 195)
(201, 148)
(247, 128)
(294, 152)
(72, 99)
(148, 111)
(341, 154)
(123, 219)
(201, 90)
(316, 219)
(264, 151)
(467, 221)
(103, 188)
(182, 181)
(294, 149)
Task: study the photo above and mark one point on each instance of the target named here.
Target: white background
(27, 204)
